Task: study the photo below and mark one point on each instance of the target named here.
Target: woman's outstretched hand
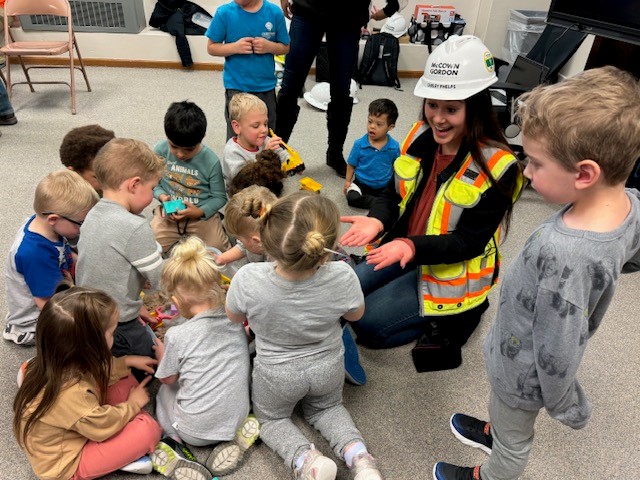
(363, 230)
(390, 253)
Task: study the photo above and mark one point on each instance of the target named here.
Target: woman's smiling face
(447, 121)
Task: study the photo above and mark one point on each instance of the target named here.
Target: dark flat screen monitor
(617, 19)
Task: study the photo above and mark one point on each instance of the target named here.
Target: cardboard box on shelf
(435, 13)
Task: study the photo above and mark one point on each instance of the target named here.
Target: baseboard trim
(126, 63)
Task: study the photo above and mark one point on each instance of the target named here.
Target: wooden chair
(41, 48)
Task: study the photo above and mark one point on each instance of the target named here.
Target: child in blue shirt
(193, 175)
(370, 163)
(248, 33)
(40, 256)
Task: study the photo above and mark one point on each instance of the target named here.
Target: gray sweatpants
(512, 431)
(318, 383)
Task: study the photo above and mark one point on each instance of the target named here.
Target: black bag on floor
(379, 64)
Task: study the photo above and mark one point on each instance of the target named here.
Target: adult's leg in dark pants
(392, 316)
(342, 50)
(306, 36)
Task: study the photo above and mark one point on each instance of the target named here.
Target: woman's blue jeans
(392, 309)
(5, 104)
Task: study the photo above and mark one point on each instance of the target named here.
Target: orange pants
(136, 439)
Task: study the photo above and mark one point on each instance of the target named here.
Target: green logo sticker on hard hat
(488, 61)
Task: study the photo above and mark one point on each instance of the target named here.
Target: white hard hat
(396, 25)
(319, 96)
(458, 68)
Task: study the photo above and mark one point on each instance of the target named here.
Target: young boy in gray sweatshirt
(582, 137)
(118, 252)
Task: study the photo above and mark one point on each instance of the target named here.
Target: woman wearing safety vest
(439, 220)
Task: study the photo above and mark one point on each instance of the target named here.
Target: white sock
(351, 450)
(300, 460)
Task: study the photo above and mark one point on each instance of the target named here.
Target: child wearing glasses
(40, 256)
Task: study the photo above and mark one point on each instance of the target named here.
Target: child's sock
(351, 450)
(300, 460)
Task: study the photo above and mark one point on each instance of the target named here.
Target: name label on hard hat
(439, 85)
(444, 68)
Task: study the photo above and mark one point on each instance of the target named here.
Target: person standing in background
(341, 22)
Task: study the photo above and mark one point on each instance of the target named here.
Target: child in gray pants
(294, 305)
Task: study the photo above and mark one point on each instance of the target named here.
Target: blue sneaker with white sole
(353, 371)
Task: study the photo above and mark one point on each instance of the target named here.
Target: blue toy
(172, 206)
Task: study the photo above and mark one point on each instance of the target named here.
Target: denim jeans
(342, 48)
(5, 104)
(392, 310)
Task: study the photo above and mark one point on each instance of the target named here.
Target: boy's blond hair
(124, 158)
(191, 274)
(594, 115)
(65, 193)
(243, 103)
(298, 228)
(243, 211)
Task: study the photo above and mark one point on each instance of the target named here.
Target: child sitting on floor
(294, 306)
(204, 364)
(370, 163)
(192, 174)
(78, 413)
(248, 116)
(242, 220)
(79, 148)
(40, 256)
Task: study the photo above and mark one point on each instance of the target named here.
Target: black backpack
(379, 64)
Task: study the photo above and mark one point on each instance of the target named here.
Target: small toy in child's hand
(166, 313)
(294, 163)
(308, 183)
(172, 206)
(225, 280)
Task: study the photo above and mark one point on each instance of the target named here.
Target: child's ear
(256, 239)
(236, 127)
(391, 126)
(52, 219)
(588, 174)
(133, 183)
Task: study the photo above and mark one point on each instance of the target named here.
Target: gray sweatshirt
(552, 300)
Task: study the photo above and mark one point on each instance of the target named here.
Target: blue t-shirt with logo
(248, 72)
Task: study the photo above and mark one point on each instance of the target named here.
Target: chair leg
(84, 72)
(7, 81)
(24, 69)
(73, 84)
(26, 73)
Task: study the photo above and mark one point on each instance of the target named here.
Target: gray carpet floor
(402, 414)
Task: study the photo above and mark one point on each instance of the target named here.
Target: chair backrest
(37, 7)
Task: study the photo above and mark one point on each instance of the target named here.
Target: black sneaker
(472, 432)
(175, 460)
(446, 471)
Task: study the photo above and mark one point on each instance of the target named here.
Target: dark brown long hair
(482, 128)
(70, 344)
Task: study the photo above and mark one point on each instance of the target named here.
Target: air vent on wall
(117, 16)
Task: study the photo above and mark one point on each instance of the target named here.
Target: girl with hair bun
(293, 305)
(204, 368)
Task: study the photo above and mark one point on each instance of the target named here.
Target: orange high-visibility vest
(448, 289)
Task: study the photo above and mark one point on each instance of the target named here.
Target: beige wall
(485, 18)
